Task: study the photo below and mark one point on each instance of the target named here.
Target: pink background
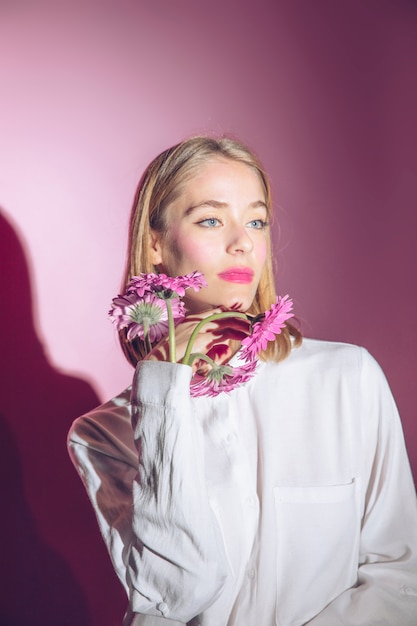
(324, 91)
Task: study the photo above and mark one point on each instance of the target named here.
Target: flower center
(146, 313)
(218, 372)
(165, 294)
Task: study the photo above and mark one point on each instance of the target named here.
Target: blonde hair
(159, 186)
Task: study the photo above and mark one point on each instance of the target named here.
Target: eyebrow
(257, 204)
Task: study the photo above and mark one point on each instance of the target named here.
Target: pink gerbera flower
(144, 316)
(195, 281)
(266, 329)
(166, 286)
(151, 308)
(221, 378)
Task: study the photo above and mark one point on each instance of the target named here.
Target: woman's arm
(176, 565)
(150, 501)
(148, 485)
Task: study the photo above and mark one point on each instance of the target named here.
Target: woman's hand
(218, 339)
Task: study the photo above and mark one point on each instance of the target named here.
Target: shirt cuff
(159, 382)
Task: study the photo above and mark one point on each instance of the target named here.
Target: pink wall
(324, 91)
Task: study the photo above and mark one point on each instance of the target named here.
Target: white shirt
(288, 501)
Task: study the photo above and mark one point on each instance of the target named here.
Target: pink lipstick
(243, 275)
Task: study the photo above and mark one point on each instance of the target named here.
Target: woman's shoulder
(107, 428)
(324, 356)
(323, 349)
(318, 367)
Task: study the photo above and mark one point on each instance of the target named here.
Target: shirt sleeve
(176, 564)
(152, 507)
(386, 590)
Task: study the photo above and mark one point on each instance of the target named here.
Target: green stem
(148, 344)
(199, 355)
(171, 333)
(207, 320)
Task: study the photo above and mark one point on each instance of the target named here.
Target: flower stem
(199, 355)
(171, 333)
(148, 345)
(211, 318)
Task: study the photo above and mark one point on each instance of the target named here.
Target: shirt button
(162, 607)
(230, 438)
(251, 501)
(251, 573)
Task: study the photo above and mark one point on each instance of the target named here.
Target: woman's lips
(242, 275)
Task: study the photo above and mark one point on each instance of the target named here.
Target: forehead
(221, 175)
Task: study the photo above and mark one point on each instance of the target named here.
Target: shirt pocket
(318, 532)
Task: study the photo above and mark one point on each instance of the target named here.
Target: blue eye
(258, 224)
(209, 222)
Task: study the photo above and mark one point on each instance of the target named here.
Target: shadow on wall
(54, 568)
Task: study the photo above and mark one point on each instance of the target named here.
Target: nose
(239, 240)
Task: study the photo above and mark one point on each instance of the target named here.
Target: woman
(288, 501)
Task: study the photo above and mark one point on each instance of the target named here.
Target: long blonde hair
(159, 186)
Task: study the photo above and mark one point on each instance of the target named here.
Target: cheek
(182, 254)
(195, 254)
(261, 252)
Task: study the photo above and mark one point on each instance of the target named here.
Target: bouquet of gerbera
(151, 307)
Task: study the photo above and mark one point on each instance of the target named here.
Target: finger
(219, 352)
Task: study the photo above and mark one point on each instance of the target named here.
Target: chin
(238, 305)
(227, 301)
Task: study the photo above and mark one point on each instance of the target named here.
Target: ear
(155, 247)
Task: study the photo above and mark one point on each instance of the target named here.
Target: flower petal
(224, 379)
(266, 329)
